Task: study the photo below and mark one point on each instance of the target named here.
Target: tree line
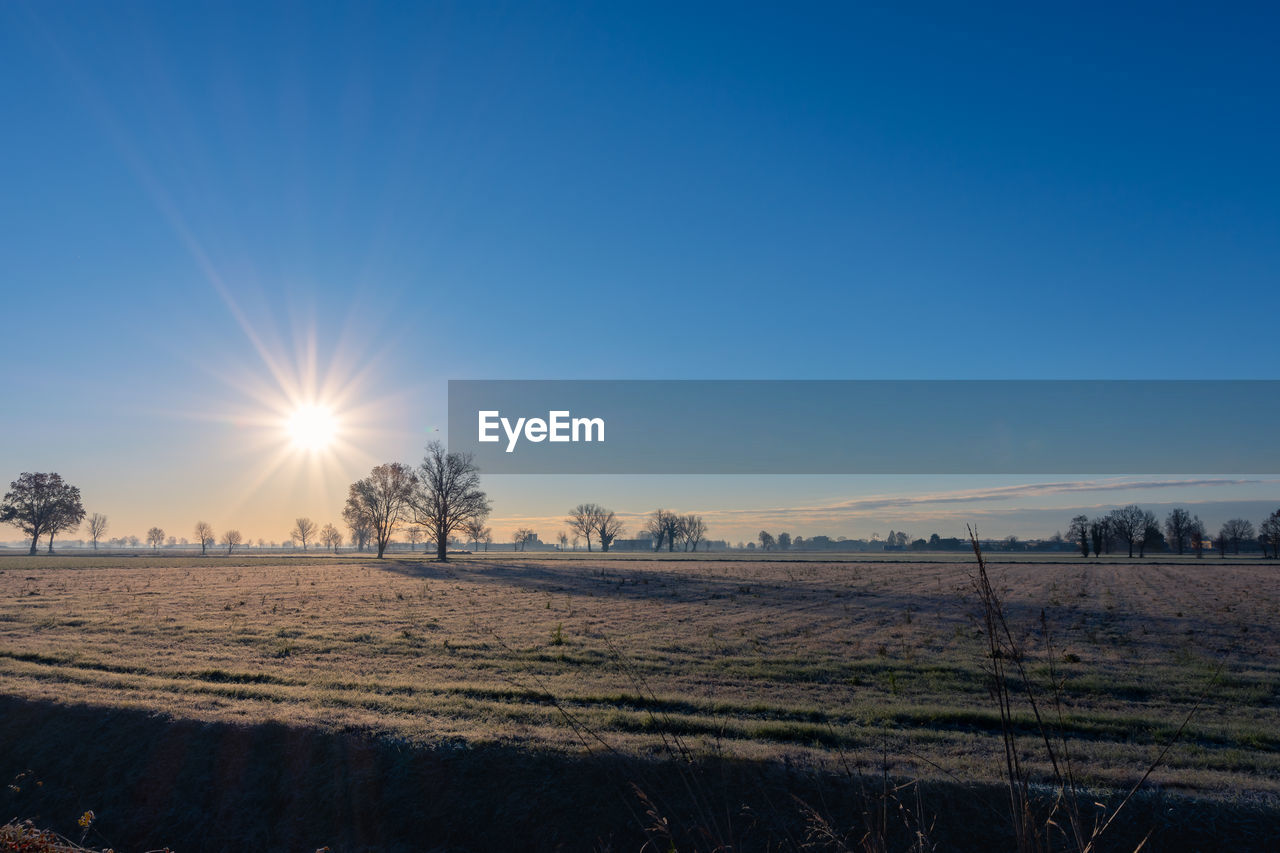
(1134, 527)
(439, 498)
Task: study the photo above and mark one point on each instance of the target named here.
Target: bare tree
(448, 495)
(664, 527)
(357, 520)
(39, 504)
(231, 539)
(1101, 533)
(487, 538)
(1130, 523)
(583, 520)
(608, 528)
(331, 537)
(1177, 529)
(303, 530)
(766, 540)
(521, 537)
(97, 524)
(784, 538)
(1236, 530)
(1269, 533)
(414, 534)
(385, 496)
(204, 535)
(563, 539)
(693, 529)
(475, 530)
(155, 537)
(1079, 532)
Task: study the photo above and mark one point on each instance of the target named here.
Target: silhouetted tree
(40, 504)
(331, 537)
(357, 520)
(766, 540)
(1177, 529)
(385, 497)
(563, 538)
(155, 537)
(584, 519)
(204, 535)
(693, 529)
(521, 537)
(1196, 533)
(448, 495)
(476, 531)
(97, 525)
(784, 541)
(664, 526)
(608, 528)
(1236, 530)
(304, 529)
(231, 539)
(1130, 523)
(1078, 532)
(1269, 533)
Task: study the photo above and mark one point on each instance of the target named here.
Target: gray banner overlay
(868, 427)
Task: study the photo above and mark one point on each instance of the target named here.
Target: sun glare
(312, 428)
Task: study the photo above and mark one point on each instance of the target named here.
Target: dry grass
(815, 661)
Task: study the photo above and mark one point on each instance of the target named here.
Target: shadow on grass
(192, 785)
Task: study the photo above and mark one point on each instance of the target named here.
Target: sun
(312, 427)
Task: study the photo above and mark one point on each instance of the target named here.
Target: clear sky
(214, 212)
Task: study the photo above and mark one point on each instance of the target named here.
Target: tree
(521, 537)
(414, 535)
(155, 537)
(784, 541)
(331, 537)
(664, 526)
(1101, 533)
(563, 538)
(608, 528)
(584, 519)
(303, 530)
(766, 539)
(1131, 523)
(476, 531)
(39, 504)
(1152, 538)
(1235, 530)
(231, 539)
(1269, 533)
(487, 538)
(447, 496)
(204, 535)
(693, 529)
(1196, 533)
(357, 520)
(384, 497)
(1177, 529)
(1079, 532)
(97, 528)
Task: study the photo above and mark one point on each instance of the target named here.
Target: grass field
(809, 661)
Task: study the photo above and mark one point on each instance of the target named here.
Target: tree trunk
(442, 547)
(35, 540)
(51, 542)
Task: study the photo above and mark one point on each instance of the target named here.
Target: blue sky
(209, 209)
